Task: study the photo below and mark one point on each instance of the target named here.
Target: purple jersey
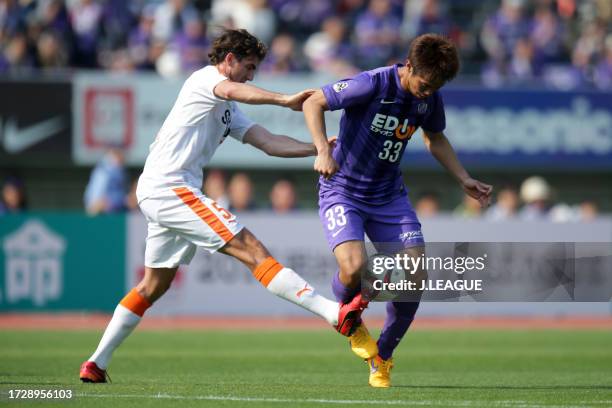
(379, 119)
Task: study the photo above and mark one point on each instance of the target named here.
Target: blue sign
(524, 128)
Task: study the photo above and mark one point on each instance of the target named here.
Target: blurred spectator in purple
(171, 17)
(15, 57)
(193, 46)
(140, 43)
(12, 18)
(469, 208)
(536, 195)
(215, 187)
(503, 30)
(432, 19)
(240, 191)
(301, 18)
(328, 51)
(349, 10)
(106, 191)
(377, 34)
(506, 206)
(281, 57)
(54, 16)
(428, 205)
(118, 17)
(603, 70)
(13, 199)
(523, 66)
(283, 197)
(51, 52)
(86, 16)
(547, 34)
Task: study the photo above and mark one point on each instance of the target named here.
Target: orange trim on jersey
(135, 302)
(267, 270)
(204, 213)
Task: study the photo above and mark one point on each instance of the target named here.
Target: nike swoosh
(386, 102)
(337, 232)
(17, 140)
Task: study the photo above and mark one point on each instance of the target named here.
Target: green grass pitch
(471, 368)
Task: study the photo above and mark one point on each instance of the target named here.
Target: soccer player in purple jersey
(361, 188)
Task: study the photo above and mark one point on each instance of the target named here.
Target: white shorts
(180, 220)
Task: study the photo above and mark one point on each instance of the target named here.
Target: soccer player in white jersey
(180, 217)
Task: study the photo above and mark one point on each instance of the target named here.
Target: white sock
(290, 286)
(121, 325)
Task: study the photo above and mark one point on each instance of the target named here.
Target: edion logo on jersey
(388, 125)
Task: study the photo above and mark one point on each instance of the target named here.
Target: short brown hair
(434, 57)
(240, 43)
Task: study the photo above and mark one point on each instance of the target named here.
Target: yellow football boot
(380, 372)
(362, 343)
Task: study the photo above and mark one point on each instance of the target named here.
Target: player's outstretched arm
(245, 93)
(439, 146)
(314, 113)
(277, 145)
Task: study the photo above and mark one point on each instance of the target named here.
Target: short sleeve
(435, 122)
(350, 92)
(205, 81)
(240, 123)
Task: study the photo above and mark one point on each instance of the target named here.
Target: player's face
(243, 70)
(421, 86)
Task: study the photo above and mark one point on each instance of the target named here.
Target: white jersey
(195, 127)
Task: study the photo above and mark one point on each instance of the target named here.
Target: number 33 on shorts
(335, 217)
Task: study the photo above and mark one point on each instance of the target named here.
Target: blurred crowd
(110, 190)
(534, 201)
(562, 43)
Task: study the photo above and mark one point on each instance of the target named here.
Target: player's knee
(155, 284)
(254, 247)
(351, 270)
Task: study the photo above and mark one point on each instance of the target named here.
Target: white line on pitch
(501, 404)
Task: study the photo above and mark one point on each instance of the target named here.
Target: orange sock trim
(267, 270)
(135, 302)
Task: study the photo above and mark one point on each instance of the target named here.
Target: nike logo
(17, 140)
(384, 101)
(337, 232)
(302, 291)
(373, 367)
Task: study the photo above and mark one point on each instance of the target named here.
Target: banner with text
(488, 128)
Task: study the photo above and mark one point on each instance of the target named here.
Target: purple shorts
(391, 227)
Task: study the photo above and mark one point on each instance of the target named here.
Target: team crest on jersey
(340, 86)
(422, 108)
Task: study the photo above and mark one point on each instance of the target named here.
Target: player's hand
(325, 165)
(331, 142)
(295, 101)
(478, 190)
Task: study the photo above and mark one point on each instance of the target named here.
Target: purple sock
(342, 293)
(399, 318)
